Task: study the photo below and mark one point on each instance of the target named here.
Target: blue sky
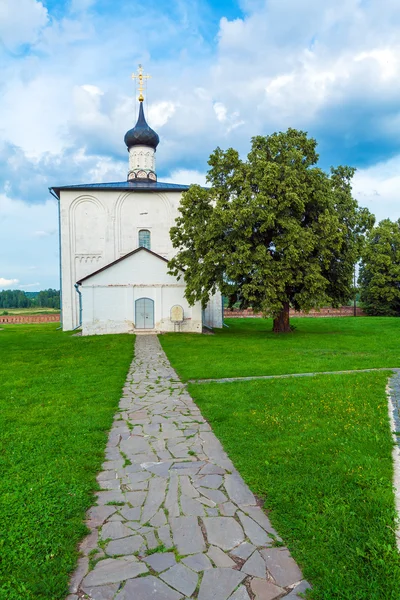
(221, 72)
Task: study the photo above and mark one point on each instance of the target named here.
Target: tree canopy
(19, 299)
(272, 231)
(380, 270)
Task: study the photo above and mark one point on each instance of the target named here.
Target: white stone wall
(108, 298)
(213, 313)
(99, 226)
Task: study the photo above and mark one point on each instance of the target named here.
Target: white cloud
(221, 111)
(93, 90)
(186, 177)
(4, 283)
(385, 59)
(159, 113)
(377, 188)
(40, 233)
(231, 121)
(21, 22)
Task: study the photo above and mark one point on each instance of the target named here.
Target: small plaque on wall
(177, 314)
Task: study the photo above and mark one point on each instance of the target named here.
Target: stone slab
(191, 507)
(255, 566)
(243, 551)
(227, 509)
(197, 562)
(187, 535)
(102, 592)
(281, 566)
(114, 570)
(299, 589)
(131, 514)
(146, 588)
(160, 561)
(259, 516)
(215, 495)
(126, 545)
(265, 590)
(181, 578)
(219, 558)
(155, 497)
(115, 530)
(223, 532)
(254, 532)
(218, 584)
(171, 500)
(98, 514)
(240, 594)
(79, 573)
(238, 491)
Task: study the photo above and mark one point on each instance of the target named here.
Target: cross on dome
(141, 140)
(140, 77)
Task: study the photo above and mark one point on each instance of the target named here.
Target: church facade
(115, 247)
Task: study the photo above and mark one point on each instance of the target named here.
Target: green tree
(274, 231)
(380, 270)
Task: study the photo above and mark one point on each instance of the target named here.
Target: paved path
(288, 375)
(175, 519)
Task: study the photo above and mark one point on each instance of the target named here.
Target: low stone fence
(343, 311)
(30, 318)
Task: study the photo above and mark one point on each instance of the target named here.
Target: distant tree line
(19, 299)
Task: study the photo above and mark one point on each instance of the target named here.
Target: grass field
(318, 451)
(248, 347)
(58, 394)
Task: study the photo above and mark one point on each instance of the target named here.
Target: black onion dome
(141, 134)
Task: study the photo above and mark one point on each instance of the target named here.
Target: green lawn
(318, 450)
(58, 394)
(248, 347)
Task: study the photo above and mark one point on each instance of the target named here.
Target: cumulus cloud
(21, 22)
(186, 177)
(4, 283)
(377, 188)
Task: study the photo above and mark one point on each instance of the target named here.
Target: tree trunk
(281, 322)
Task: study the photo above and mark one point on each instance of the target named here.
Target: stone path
(174, 518)
(287, 376)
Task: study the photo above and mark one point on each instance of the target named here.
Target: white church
(115, 247)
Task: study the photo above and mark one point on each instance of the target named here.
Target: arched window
(144, 239)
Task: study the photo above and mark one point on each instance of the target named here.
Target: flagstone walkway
(174, 518)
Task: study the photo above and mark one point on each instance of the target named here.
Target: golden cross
(140, 77)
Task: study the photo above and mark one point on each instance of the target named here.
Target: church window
(144, 239)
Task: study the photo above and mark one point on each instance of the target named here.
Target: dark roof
(133, 186)
(141, 134)
(114, 262)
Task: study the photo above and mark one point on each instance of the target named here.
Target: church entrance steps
(174, 519)
(145, 332)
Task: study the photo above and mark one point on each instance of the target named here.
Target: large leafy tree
(273, 231)
(380, 270)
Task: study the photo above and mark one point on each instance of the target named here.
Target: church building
(115, 246)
